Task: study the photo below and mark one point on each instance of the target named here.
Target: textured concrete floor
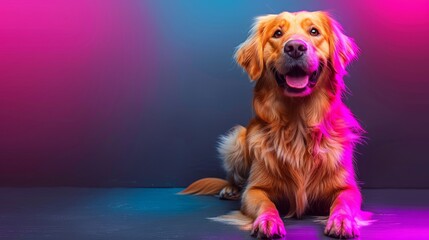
(139, 213)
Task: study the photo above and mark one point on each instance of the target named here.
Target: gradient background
(136, 93)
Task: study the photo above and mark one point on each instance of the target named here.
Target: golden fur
(296, 154)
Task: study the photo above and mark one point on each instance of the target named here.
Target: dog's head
(297, 53)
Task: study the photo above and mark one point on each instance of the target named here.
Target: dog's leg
(232, 150)
(346, 206)
(267, 223)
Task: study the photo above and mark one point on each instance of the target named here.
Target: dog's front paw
(230, 193)
(268, 225)
(342, 225)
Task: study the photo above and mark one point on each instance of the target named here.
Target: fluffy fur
(296, 155)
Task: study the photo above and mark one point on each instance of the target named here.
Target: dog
(296, 154)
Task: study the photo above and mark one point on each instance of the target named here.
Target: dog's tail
(236, 218)
(205, 186)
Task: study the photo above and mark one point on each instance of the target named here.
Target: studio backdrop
(133, 93)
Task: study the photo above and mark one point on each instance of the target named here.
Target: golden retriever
(296, 154)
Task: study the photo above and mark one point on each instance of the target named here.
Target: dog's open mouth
(297, 80)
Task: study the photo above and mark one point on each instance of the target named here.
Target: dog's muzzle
(299, 70)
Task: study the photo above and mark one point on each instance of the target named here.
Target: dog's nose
(295, 48)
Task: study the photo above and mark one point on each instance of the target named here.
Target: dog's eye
(314, 32)
(278, 34)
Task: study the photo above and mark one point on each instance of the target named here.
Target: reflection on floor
(155, 213)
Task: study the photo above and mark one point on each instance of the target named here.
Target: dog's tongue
(297, 82)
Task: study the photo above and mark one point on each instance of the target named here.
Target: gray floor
(139, 213)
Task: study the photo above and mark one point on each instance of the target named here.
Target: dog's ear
(250, 54)
(342, 48)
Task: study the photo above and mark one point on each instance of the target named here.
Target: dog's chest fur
(296, 146)
(305, 161)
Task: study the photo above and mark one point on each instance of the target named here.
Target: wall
(136, 93)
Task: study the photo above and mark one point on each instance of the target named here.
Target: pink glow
(70, 70)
